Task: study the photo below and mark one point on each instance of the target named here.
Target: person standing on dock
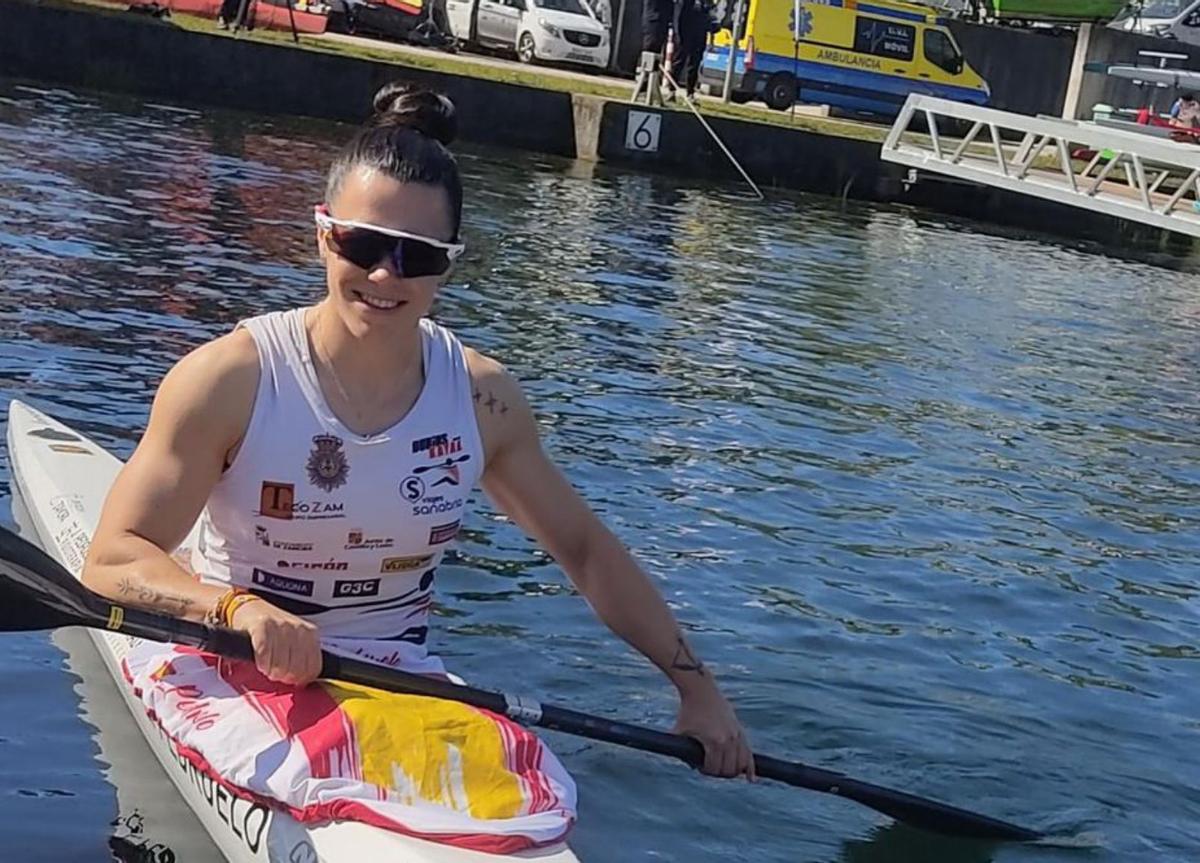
(691, 24)
(228, 14)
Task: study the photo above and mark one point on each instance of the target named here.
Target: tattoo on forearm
(685, 660)
(493, 404)
(147, 596)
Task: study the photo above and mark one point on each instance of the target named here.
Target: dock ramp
(1135, 175)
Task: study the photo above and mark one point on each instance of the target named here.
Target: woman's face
(377, 296)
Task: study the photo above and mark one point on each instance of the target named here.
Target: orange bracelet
(236, 602)
(218, 613)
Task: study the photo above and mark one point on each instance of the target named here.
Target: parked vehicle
(1172, 19)
(562, 31)
(849, 55)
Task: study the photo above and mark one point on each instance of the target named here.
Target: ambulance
(854, 55)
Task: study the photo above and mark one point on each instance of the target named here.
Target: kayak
(63, 478)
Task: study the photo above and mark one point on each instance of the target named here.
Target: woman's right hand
(287, 649)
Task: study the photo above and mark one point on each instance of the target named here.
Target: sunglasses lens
(418, 258)
(362, 247)
(367, 249)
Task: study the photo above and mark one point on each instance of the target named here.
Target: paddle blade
(906, 808)
(37, 593)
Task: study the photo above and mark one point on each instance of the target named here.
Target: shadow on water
(896, 843)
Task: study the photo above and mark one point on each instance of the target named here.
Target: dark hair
(1188, 97)
(406, 139)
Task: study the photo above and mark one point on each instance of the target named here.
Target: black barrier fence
(1026, 69)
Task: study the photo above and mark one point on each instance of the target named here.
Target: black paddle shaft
(912, 810)
(37, 593)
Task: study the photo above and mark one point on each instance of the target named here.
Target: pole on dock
(739, 11)
(614, 38)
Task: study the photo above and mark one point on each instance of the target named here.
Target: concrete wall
(1116, 46)
(1027, 70)
(137, 54)
(848, 168)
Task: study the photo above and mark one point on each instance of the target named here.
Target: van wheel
(780, 93)
(740, 97)
(526, 51)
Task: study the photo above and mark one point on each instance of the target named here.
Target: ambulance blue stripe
(884, 12)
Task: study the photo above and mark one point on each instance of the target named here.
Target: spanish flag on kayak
(434, 769)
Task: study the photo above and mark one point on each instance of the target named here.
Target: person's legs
(689, 52)
(655, 21)
(680, 54)
(228, 13)
(699, 44)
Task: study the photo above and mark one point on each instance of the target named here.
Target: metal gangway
(1127, 174)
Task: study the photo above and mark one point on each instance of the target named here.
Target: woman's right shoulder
(215, 384)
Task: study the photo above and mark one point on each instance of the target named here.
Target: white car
(1171, 19)
(554, 30)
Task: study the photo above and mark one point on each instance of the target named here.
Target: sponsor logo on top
(278, 500)
(327, 465)
(356, 540)
(328, 566)
(264, 539)
(445, 472)
(438, 445)
(420, 489)
(404, 564)
(443, 533)
(355, 587)
(282, 583)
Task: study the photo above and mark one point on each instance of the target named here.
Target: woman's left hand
(705, 715)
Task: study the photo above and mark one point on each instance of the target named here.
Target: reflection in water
(927, 497)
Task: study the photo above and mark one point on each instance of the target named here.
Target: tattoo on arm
(685, 660)
(493, 404)
(155, 599)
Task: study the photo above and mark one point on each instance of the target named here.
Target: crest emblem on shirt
(327, 465)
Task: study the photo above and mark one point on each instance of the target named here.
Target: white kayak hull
(63, 479)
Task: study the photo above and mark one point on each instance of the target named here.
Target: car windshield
(572, 6)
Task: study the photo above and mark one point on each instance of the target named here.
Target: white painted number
(641, 131)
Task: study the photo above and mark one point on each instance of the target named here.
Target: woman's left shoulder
(504, 417)
(488, 373)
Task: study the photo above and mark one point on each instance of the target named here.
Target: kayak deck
(63, 478)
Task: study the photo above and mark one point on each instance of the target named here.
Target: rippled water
(926, 497)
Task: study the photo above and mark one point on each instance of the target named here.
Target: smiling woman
(317, 446)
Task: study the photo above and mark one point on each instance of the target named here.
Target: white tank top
(344, 529)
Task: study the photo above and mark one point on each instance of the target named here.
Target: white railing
(1127, 174)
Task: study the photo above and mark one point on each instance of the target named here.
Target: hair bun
(407, 106)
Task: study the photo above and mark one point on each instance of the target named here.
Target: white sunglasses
(366, 246)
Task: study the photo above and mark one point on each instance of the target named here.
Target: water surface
(924, 495)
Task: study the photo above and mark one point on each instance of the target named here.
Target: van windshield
(572, 6)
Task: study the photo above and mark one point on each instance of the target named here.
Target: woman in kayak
(329, 451)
